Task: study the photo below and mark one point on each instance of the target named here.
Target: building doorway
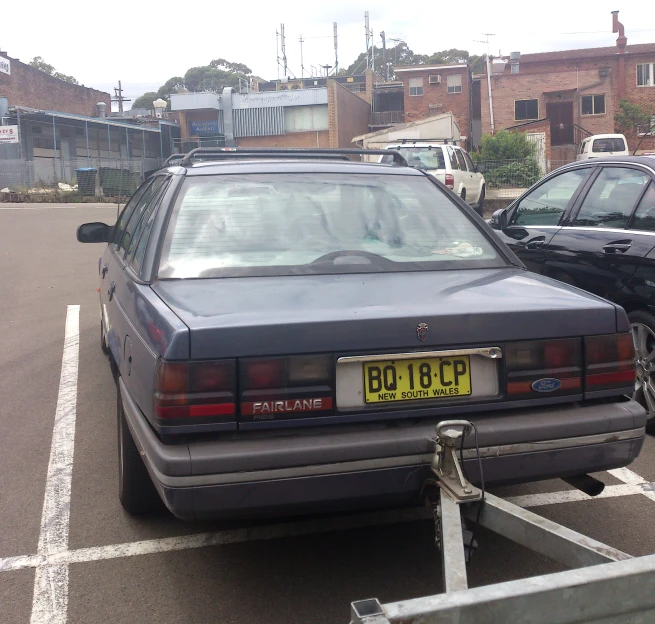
(561, 122)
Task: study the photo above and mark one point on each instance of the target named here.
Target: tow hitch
(615, 592)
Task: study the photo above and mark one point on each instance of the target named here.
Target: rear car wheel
(463, 195)
(135, 488)
(103, 342)
(481, 201)
(643, 336)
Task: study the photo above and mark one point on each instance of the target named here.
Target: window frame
(526, 118)
(461, 160)
(452, 90)
(630, 226)
(651, 77)
(416, 87)
(593, 104)
(469, 161)
(452, 158)
(589, 184)
(127, 213)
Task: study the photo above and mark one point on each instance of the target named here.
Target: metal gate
(539, 140)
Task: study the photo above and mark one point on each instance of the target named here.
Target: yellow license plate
(408, 380)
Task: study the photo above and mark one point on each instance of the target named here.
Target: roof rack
(229, 153)
(444, 141)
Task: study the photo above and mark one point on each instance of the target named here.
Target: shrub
(505, 145)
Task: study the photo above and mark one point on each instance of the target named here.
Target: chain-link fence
(507, 179)
(85, 177)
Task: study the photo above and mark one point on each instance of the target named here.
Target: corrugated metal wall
(258, 121)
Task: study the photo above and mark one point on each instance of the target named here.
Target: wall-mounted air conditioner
(435, 79)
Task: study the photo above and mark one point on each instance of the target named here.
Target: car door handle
(105, 268)
(110, 292)
(617, 246)
(536, 242)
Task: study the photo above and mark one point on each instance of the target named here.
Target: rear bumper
(352, 467)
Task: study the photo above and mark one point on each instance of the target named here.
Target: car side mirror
(93, 233)
(499, 219)
(480, 167)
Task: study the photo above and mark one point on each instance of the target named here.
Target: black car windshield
(300, 223)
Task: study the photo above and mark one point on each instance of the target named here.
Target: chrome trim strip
(487, 352)
(588, 228)
(418, 460)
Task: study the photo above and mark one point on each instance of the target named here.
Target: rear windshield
(425, 158)
(276, 224)
(608, 145)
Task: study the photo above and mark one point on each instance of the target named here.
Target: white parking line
(627, 476)
(50, 598)
(572, 496)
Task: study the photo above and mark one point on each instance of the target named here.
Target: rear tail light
(450, 181)
(286, 387)
(202, 391)
(610, 362)
(544, 367)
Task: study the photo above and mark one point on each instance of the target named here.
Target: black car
(591, 224)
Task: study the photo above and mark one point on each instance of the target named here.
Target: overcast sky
(144, 44)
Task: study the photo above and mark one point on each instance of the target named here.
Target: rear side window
(454, 163)
(611, 198)
(608, 145)
(125, 215)
(140, 206)
(313, 223)
(469, 162)
(427, 158)
(546, 204)
(460, 159)
(645, 215)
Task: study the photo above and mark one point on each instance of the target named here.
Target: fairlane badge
(266, 410)
(422, 331)
(546, 385)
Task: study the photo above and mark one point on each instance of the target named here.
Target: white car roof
(605, 136)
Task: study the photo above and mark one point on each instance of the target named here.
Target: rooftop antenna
(284, 49)
(302, 67)
(368, 39)
(336, 51)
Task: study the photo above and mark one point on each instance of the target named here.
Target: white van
(450, 164)
(603, 145)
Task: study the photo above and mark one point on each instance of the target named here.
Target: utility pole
(336, 51)
(277, 52)
(491, 102)
(368, 39)
(118, 97)
(302, 67)
(385, 70)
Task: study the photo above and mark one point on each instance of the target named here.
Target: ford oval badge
(546, 385)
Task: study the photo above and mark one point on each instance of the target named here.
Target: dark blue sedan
(286, 328)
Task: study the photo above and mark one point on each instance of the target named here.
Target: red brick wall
(294, 139)
(348, 115)
(32, 88)
(418, 106)
(537, 78)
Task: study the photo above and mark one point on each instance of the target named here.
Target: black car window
(139, 240)
(546, 204)
(611, 198)
(140, 206)
(126, 213)
(469, 162)
(318, 223)
(460, 159)
(644, 218)
(454, 163)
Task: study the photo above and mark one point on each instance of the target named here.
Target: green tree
(146, 100)
(632, 119)
(38, 63)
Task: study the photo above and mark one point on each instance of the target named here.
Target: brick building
(577, 91)
(431, 90)
(23, 85)
(327, 116)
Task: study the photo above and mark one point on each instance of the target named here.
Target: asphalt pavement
(121, 569)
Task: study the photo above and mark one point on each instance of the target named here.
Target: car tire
(481, 201)
(103, 341)
(643, 336)
(136, 491)
(463, 194)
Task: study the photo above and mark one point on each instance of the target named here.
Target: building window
(526, 109)
(646, 75)
(416, 86)
(593, 104)
(649, 128)
(454, 83)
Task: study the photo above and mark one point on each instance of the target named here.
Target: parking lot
(86, 560)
